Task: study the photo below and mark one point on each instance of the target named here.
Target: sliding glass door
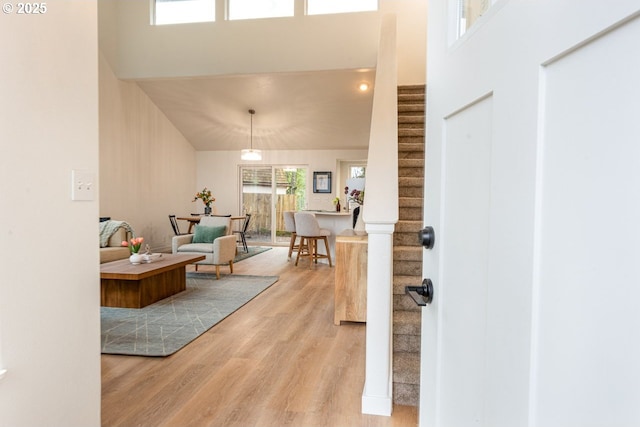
(266, 192)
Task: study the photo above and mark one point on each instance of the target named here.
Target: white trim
(2, 373)
(377, 396)
(377, 405)
(537, 244)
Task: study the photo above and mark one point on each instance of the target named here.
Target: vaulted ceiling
(306, 110)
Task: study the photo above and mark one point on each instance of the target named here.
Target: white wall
(255, 46)
(49, 286)
(218, 170)
(147, 168)
(259, 46)
(411, 37)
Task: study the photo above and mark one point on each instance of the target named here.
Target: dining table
(195, 219)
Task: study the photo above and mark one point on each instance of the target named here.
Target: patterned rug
(165, 327)
(253, 250)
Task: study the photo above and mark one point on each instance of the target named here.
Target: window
(357, 171)
(469, 11)
(253, 9)
(191, 11)
(266, 192)
(184, 11)
(321, 7)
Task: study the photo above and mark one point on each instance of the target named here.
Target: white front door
(533, 188)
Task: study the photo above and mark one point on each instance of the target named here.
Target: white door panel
(463, 284)
(588, 285)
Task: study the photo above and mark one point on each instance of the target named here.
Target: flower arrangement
(134, 247)
(355, 195)
(206, 197)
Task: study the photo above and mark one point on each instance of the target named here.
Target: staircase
(407, 251)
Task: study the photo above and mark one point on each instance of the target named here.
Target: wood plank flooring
(278, 361)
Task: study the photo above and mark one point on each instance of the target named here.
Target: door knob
(422, 295)
(427, 237)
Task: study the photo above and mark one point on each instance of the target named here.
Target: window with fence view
(268, 191)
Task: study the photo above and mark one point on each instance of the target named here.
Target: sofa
(213, 238)
(112, 234)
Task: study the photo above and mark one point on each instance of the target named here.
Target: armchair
(213, 238)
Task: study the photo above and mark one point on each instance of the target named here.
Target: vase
(135, 258)
(207, 210)
(359, 222)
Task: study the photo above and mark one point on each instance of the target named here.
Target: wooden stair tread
(410, 202)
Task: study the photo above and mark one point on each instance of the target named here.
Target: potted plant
(207, 198)
(134, 249)
(336, 202)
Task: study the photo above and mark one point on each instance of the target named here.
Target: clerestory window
(184, 11)
(255, 9)
(323, 7)
(188, 11)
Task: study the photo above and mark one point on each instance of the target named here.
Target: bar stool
(309, 230)
(290, 226)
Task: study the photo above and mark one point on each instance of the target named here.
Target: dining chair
(243, 232)
(174, 225)
(309, 230)
(290, 226)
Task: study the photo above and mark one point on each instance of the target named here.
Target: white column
(377, 397)
(380, 216)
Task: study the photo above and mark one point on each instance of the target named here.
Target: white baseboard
(377, 405)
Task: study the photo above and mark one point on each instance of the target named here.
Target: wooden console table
(123, 284)
(351, 277)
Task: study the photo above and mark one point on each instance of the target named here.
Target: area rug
(253, 250)
(165, 327)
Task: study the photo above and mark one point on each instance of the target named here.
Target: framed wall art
(322, 182)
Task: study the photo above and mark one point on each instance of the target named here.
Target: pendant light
(250, 153)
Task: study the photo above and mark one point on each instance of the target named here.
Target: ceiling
(294, 111)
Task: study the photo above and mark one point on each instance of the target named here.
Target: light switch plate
(82, 185)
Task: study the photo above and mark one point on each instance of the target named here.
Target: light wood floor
(277, 361)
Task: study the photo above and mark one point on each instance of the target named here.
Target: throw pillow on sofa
(205, 234)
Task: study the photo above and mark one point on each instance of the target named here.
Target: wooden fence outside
(259, 206)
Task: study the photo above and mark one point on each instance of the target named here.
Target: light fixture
(250, 153)
(363, 86)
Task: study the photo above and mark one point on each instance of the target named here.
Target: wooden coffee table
(123, 284)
